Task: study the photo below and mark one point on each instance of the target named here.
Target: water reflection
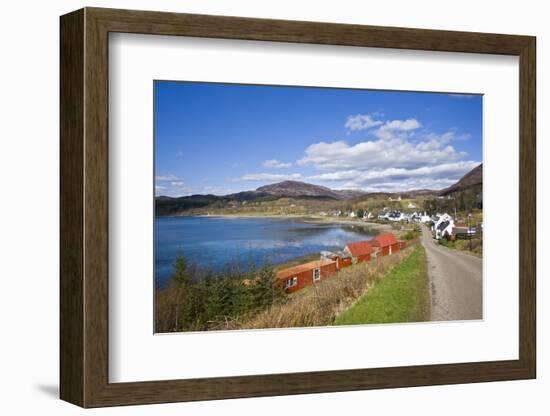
(215, 242)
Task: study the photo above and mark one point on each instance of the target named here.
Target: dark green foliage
(461, 201)
(264, 289)
(181, 274)
(412, 234)
(171, 206)
(165, 205)
(197, 301)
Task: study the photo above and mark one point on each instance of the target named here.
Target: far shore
(308, 219)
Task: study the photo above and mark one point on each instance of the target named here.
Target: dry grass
(319, 304)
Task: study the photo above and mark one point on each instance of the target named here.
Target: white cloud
(274, 163)
(215, 190)
(361, 122)
(269, 177)
(397, 179)
(406, 185)
(396, 128)
(180, 189)
(398, 158)
(382, 153)
(177, 183)
(166, 178)
(401, 177)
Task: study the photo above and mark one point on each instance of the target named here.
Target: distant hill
(297, 191)
(473, 179)
(419, 192)
(350, 193)
(166, 205)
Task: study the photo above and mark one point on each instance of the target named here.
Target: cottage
(443, 227)
(368, 215)
(383, 216)
(297, 277)
(359, 251)
(342, 258)
(424, 219)
(385, 244)
(395, 216)
(444, 230)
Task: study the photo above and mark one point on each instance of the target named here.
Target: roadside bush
(411, 235)
(464, 245)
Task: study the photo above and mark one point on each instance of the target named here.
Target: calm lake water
(214, 242)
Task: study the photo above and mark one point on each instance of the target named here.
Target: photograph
(280, 206)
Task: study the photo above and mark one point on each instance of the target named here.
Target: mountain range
(166, 205)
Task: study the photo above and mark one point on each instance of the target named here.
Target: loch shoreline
(307, 219)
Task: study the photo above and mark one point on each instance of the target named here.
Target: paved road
(455, 282)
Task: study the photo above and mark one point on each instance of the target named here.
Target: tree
(181, 275)
(430, 206)
(265, 290)
(182, 280)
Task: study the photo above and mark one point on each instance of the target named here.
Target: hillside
(294, 197)
(472, 179)
(297, 189)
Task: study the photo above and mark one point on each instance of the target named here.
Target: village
(442, 226)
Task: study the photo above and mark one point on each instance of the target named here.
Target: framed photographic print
(256, 207)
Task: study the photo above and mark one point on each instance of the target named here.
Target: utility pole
(469, 230)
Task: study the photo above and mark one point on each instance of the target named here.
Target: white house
(367, 216)
(396, 216)
(425, 218)
(383, 216)
(420, 217)
(444, 226)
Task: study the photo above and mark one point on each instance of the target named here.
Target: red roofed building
(297, 277)
(359, 251)
(386, 244)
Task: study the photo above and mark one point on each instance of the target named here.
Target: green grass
(464, 245)
(402, 295)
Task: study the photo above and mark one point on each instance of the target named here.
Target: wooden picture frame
(84, 207)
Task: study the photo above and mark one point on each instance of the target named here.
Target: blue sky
(224, 138)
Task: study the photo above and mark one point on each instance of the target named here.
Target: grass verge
(464, 245)
(402, 295)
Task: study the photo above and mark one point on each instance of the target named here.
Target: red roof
(293, 271)
(384, 240)
(360, 248)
